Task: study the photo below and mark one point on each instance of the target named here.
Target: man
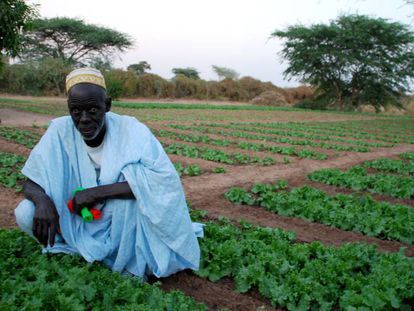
(145, 226)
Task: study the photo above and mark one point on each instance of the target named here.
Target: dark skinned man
(124, 172)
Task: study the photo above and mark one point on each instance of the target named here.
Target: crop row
(291, 151)
(308, 276)
(358, 129)
(32, 281)
(358, 179)
(347, 212)
(216, 155)
(189, 170)
(22, 137)
(301, 131)
(391, 166)
(10, 167)
(244, 134)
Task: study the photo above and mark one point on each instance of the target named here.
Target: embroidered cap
(85, 75)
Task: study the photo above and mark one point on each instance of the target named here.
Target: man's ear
(108, 104)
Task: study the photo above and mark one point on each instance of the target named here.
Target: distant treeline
(47, 78)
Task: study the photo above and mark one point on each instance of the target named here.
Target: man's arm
(46, 217)
(93, 196)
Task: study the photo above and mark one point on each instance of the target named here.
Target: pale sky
(228, 33)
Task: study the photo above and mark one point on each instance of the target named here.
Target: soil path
(22, 118)
(216, 295)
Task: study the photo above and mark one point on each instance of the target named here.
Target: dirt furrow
(216, 295)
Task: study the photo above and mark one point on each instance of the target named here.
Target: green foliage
(225, 73)
(190, 170)
(239, 196)
(10, 167)
(215, 155)
(357, 179)
(15, 16)
(23, 137)
(43, 77)
(347, 212)
(139, 68)
(219, 170)
(72, 40)
(193, 170)
(353, 60)
(152, 85)
(407, 155)
(391, 166)
(188, 72)
(32, 281)
(189, 87)
(306, 276)
(120, 83)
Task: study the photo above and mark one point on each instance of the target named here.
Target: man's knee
(24, 213)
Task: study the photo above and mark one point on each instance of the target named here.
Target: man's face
(87, 107)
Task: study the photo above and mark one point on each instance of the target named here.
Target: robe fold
(151, 234)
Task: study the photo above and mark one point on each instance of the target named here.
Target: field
(304, 210)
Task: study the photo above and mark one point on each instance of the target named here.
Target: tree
(225, 73)
(189, 72)
(139, 68)
(353, 60)
(15, 16)
(72, 41)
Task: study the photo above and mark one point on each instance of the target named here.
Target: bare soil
(22, 118)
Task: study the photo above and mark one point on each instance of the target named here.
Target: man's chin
(89, 136)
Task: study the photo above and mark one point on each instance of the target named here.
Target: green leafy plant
(192, 170)
(219, 170)
(31, 280)
(10, 167)
(306, 276)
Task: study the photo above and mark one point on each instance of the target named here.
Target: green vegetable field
(303, 210)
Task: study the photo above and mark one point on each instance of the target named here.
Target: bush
(152, 85)
(270, 98)
(44, 77)
(121, 83)
(231, 90)
(255, 87)
(320, 103)
(186, 87)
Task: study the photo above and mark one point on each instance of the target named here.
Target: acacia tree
(15, 16)
(139, 68)
(225, 73)
(72, 41)
(353, 60)
(189, 72)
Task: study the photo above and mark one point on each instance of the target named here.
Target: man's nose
(84, 117)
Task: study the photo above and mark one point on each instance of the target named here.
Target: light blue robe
(152, 234)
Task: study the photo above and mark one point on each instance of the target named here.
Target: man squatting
(145, 228)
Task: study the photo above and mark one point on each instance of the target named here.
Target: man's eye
(93, 110)
(75, 110)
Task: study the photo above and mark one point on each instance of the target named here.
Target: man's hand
(86, 198)
(46, 222)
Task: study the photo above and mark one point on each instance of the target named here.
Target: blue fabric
(151, 234)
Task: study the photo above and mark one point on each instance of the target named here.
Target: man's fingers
(52, 234)
(45, 233)
(35, 230)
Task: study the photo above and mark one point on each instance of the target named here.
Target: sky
(230, 33)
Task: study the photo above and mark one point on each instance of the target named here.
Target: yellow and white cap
(85, 75)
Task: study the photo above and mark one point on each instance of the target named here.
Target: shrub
(152, 85)
(270, 98)
(186, 87)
